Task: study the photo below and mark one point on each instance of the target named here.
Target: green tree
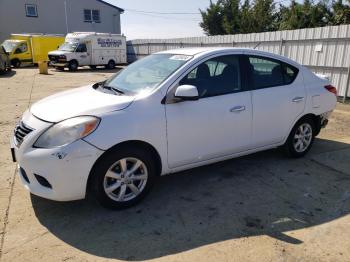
(341, 13)
(212, 19)
(231, 16)
(263, 15)
(246, 23)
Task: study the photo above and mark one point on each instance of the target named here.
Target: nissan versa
(168, 112)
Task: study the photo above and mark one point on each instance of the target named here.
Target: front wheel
(301, 138)
(73, 65)
(16, 63)
(123, 177)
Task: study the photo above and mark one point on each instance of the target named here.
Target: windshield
(9, 45)
(70, 47)
(147, 73)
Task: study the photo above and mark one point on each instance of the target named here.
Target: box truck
(5, 64)
(31, 48)
(89, 49)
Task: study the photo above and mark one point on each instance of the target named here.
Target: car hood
(58, 52)
(80, 101)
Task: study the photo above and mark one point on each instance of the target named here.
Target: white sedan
(165, 113)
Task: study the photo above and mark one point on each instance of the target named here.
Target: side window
(217, 76)
(81, 48)
(31, 10)
(289, 74)
(21, 49)
(96, 16)
(265, 72)
(87, 15)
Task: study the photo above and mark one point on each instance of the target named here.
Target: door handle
(237, 109)
(298, 99)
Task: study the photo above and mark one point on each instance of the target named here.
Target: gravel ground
(262, 207)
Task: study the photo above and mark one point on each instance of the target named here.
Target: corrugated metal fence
(325, 50)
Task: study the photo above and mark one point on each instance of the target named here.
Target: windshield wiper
(114, 89)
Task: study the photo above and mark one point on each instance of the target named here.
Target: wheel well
(131, 143)
(74, 60)
(316, 119)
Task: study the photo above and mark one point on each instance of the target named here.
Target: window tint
(267, 72)
(31, 10)
(217, 76)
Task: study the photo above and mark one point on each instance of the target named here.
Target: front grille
(21, 131)
(54, 58)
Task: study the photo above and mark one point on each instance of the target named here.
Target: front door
(83, 55)
(216, 125)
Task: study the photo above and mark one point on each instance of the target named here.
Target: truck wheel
(111, 64)
(73, 65)
(16, 63)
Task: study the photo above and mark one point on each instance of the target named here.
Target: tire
(111, 64)
(16, 63)
(93, 67)
(108, 172)
(73, 65)
(301, 138)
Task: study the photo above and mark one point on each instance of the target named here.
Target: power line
(161, 13)
(171, 18)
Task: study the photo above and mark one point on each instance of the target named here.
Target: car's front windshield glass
(9, 45)
(146, 74)
(70, 47)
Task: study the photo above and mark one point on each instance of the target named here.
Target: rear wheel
(123, 177)
(110, 65)
(73, 65)
(301, 138)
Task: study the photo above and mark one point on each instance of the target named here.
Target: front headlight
(67, 131)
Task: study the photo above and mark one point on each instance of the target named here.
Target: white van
(89, 49)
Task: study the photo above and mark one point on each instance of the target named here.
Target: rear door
(278, 98)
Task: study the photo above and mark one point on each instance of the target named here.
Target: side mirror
(187, 92)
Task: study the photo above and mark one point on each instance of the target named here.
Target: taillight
(331, 89)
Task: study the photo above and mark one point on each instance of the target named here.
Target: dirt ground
(262, 207)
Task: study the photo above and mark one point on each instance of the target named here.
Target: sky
(135, 24)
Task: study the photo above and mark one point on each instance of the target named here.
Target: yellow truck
(31, 48)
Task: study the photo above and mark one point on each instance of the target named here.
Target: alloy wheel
(125, 179)
(302, 137)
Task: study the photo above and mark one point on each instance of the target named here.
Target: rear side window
(265, 72)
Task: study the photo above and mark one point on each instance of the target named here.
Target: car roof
(217, 50)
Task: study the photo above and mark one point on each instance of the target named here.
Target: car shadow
(8, 74)
(261, 194)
